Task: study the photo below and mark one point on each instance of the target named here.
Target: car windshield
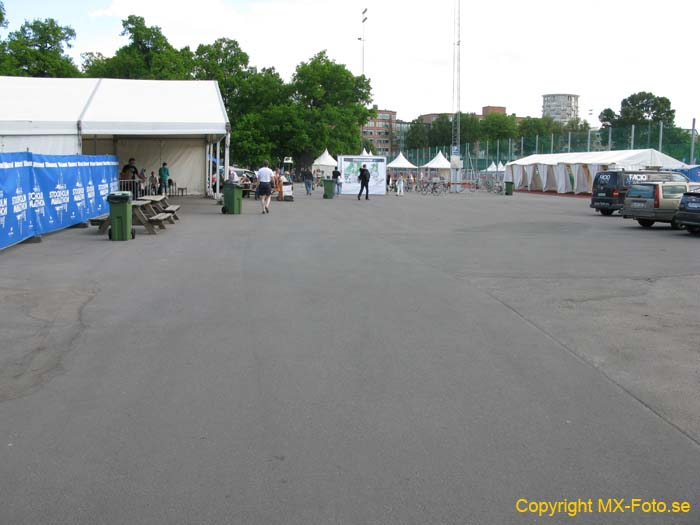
(673, 190)
(641, 191)
(606, 180)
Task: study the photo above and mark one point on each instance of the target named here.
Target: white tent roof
(43, 106)
(401, 162)
(365, 153)
(492, 167)
(633, 158)
(55, 106)
(500, 167)
(439, 162)
(326, 159)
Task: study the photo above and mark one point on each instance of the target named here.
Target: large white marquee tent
(154, 121)
(554, 172)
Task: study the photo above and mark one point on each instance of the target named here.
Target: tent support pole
(218, 168)
(207, 161)
(661, 137)
(227, 154)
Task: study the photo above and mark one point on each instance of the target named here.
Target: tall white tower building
(561, 107)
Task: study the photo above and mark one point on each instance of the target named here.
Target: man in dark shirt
(130, 178)
(308, 179)
(364, 182)
(336, 178)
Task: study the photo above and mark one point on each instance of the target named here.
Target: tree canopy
(38, 49)
(640, 108)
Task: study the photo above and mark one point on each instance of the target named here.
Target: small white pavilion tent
(154, 121)
(439, 163)
(325, 163)
(555, 172)
(365, 153)
(401, 163)
(492, 168)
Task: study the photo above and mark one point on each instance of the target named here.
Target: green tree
(3, 20)
(417, 135)
(576, 125)
(640, 108)
(148, 55)
(497, 126)
(440, 132)
(333, 105)
(37, 49)
(469, 128)
(225, 62)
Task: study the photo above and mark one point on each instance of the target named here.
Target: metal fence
(675, 142)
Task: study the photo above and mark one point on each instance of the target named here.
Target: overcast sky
(513, 51)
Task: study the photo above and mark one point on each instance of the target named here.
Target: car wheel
(133, 233)
(693, 230)
(223, 209)
(645, 223)
(676, 226)
(607, 213)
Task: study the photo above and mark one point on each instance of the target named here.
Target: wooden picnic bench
(102, 221)
(161, 205)
(160, 218)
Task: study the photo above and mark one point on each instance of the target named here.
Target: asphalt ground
(399, 360)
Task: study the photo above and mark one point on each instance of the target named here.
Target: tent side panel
(99, 147)
(40, 144)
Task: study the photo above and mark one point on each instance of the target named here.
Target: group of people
(267, 180)
(337, 177)
(131, 179)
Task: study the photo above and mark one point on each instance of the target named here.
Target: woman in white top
(399, 184)
(264, 186)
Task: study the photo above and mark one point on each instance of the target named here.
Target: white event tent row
(555, 172)
(182, 123)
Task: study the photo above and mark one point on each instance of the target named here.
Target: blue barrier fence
(44, 193)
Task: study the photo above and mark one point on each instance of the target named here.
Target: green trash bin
(120, 216)
(509, 187)
(328, 188)
(233, 198)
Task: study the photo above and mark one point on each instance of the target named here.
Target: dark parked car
(688, 213)
(610, 187)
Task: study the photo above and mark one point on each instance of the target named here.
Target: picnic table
(161, 205)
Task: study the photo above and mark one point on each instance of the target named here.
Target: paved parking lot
(398, 360)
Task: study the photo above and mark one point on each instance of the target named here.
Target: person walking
(264, 186)
(308, 180)
(338, 178)
(164, 176)
(364, 182)
(399, 184)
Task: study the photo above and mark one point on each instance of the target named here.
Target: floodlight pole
(364, 19)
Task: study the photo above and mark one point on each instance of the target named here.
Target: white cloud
(512, 51)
